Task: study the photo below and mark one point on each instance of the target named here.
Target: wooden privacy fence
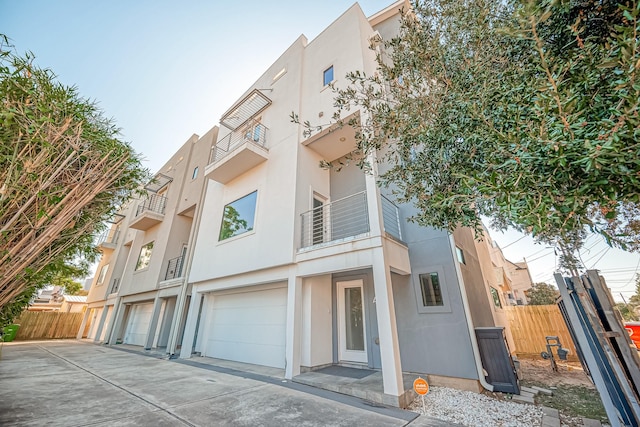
(530, 324)
(35, 325)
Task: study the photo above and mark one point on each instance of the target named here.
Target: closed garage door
(249, 327)
(138, 324)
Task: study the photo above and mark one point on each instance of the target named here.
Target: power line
(536, 253)
(597, 254)
(594, 264)
(516, 241)
(541, 256)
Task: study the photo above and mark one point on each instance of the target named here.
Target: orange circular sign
(421, 386)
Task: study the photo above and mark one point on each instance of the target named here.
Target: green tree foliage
(232, 223)
(524, 111)
(629, 308)
(542, 294)
(61, 267)
(63, 172)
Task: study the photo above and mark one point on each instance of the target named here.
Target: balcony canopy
(248, 107)
(158, 182)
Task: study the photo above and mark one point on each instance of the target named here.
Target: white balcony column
(374, 207)
(188, 339)
(103, 317)
(116, 325)
(387, 328)
(294, 325)
(153, 324)
(83, 325)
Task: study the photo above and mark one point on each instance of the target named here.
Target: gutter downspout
(191, 249)
(467, 312)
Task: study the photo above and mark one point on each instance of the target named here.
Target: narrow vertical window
(496, 297)
(431, 290)
(460, 255)
(144, 257)
(327, 76)
(103, 273)
(195, 173)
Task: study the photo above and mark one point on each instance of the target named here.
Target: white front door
(352, 343)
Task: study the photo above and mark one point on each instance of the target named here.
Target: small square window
(460, 255)
(431, 290)
(194, 175)
(145, 256)
(327, 76)
(496, 297)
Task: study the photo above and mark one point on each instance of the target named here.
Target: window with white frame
(431, 290)
(460, 255)
(238, 216)
(144, 257)
(102, 275)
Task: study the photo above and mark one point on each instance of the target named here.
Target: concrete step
(588, 422)
(524, 398)
(542, 390)
(530, 390)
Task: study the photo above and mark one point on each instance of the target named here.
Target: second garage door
(249, 327)
(138, 324)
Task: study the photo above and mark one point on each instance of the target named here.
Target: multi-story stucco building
(139, 291)
(287, 264)
(300, 267)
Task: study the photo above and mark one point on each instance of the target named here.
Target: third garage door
(138, 324)
(249, 327)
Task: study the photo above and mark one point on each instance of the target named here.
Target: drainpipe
(467, 312)
(187, 268)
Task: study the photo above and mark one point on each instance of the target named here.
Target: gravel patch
(476, 410)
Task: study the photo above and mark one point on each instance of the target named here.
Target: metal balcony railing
(115, 286)
(153, 203)
(254, 132)
(391, 218)
(108, 236)
(346, 217)
(174, 268)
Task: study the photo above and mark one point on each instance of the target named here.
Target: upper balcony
(108, 240)
(245, 146)
(149, 212)
(238, 152)
(336, 141)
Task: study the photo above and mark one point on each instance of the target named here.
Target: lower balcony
(346, 218)
(174, 268)
(237, 153)
(149, 212)
(338, 220)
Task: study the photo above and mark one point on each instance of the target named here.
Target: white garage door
(138, 324)
(249, 327)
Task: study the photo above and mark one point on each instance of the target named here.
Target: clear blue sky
(164, 70)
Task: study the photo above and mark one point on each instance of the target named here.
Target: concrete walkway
(72, 383)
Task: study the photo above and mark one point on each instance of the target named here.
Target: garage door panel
(138, 324)
(259, 334)
(251, 316)
(266, 355)
(249, 327)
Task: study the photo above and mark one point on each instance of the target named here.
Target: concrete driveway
(74, 383)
